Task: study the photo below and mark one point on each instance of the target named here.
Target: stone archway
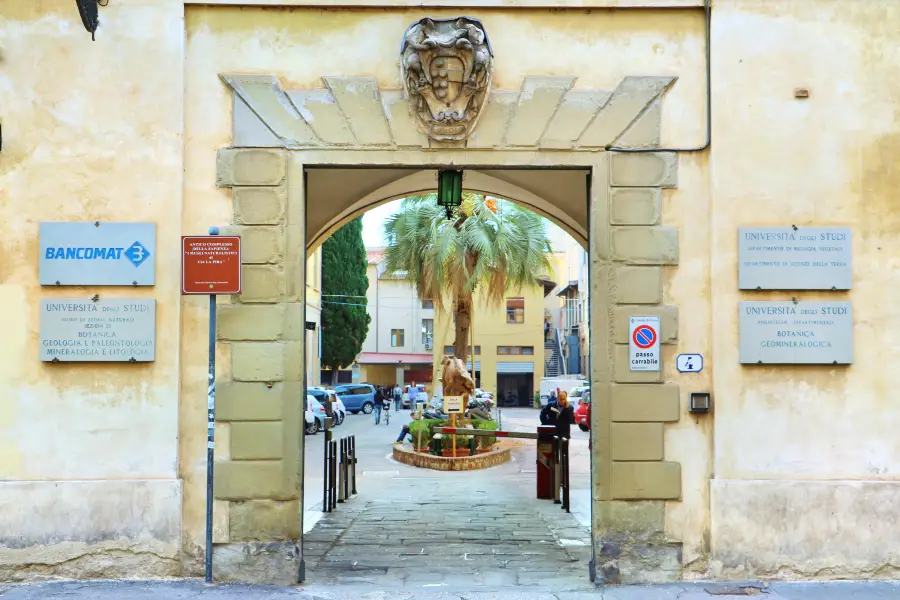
(281, 137)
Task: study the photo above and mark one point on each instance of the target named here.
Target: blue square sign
(98, 253)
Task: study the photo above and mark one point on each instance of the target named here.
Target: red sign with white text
(210, 264)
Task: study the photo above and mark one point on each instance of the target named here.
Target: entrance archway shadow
(338, 195)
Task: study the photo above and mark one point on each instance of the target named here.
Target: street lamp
(450, 189)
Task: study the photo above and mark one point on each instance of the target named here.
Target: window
(515, 350)
(449, 350)
(397, 338)
(427, 331)
(515, 310)
(427, 304)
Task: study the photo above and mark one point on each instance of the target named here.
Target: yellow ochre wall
(127, 128)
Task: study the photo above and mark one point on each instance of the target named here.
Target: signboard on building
(453, 404)
(785, 258)
(643, 343)
(210, 264)
(802, 333)
(84, 330)
(97, 253)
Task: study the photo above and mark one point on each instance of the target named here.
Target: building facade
(508, 342)
(399, 345)
(188, 114)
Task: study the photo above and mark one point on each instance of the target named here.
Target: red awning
(390, 358)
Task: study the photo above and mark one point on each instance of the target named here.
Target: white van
(563, 384)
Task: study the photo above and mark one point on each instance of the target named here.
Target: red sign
(210, 264)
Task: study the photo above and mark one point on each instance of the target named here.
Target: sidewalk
(192, 589)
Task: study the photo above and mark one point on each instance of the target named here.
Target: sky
(373, 225)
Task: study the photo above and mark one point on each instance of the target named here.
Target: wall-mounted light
(89, 14)
(700, 402)
(310, 325)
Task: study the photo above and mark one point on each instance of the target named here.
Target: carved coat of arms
(446, 65)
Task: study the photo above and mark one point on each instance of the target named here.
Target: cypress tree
(345, 321)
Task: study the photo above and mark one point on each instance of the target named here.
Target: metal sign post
(210, 265)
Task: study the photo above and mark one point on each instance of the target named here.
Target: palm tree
(496, 246)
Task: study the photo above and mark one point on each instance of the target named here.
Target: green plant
(485, 425)
(345, 321)
(422, 431)
(537, 399)
(490, 243)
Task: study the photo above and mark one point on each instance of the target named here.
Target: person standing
(398, 397)
(379, 403)
(413, 395)
(565, 416)
(546, 331)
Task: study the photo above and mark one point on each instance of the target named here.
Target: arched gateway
(303, 161)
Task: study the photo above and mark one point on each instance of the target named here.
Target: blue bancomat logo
(137, 254)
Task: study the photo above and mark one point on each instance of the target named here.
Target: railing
(563, 367)
(340, 470)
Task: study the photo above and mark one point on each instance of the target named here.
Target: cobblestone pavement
(195, 590)
(455, 531)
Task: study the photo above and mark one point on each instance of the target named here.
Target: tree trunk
(463, 323)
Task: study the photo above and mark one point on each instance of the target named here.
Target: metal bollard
(340, 482)
(556, 470)
(564, 455)
(353, 463)
(332, 470)
(345, 461)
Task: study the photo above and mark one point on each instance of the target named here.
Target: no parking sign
(643, 343)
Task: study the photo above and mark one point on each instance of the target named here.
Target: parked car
(422, 397)
(357, 397)
(315, 416)
(583, 411)
(337, 407)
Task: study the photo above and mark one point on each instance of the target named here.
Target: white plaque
(643, 343)
(453, 404)
(113, 330)
(788, 258)
(788, 333)
(689, 363)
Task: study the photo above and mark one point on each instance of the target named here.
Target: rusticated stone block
(249, 401)
(645, 245)
(645, 403)
(668, 321)
(240, 322)
(250, 166)
(264, 520)
(273, 563)
(645, 169)
(262, 284)
(260, 245)
(253, 479)
(632, 441)
(635, 206)
(257, 361)
(638, 285)
(256, 440)
(645, 480)
(258, 205)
